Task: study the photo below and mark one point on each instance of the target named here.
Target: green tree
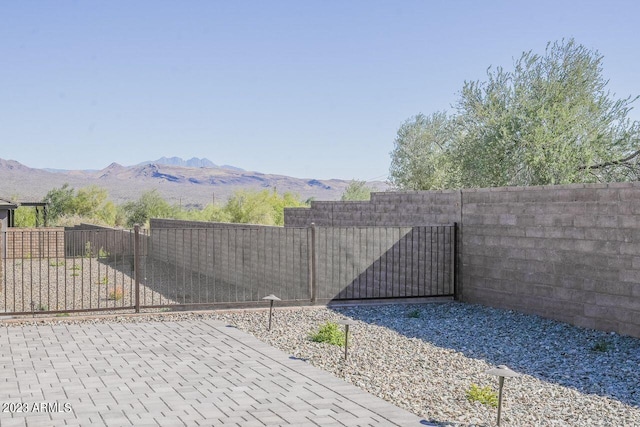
(149, 205)
(89, 201)
(259, 207)
(25, 217)
(421, 158)
(60, 202)
(549, 121)
(66, 206)
(107, 214)
(287, 200)
(211, 213)
(356, 190)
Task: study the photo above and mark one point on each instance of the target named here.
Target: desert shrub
(484, 395)
(329, 333)
(116, 294)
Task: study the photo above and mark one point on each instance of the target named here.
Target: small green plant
(116, 294)
(330, 333)
(102, 253)
(414, 314)
(62, 315)
(76, 269)
(601, 346)
(484, 395)
(56, 263)
(42, 307)
(88, 252)
(104, 281)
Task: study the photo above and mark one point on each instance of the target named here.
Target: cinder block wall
(385, 209)
(570, 253)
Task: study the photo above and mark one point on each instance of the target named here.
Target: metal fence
(385, 262)
(58, 271)
(227, 265)
(106, 269)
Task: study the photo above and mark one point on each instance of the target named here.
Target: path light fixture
(271, 298)
(501, 372)
(346, 323)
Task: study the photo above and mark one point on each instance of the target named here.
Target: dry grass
(116, 294)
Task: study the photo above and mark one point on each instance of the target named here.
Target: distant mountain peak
(194, 162)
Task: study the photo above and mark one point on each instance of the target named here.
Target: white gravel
(426, 364)
(71, 284)
(425, 357)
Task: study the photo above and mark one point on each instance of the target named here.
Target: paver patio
(184, 373)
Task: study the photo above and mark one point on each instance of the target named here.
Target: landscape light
(346, 323)
(501, 372)
(271, 298)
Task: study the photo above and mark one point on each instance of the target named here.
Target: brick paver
(186, 373)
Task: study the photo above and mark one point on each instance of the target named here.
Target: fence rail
(107, 269)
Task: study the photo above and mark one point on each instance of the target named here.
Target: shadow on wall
(168, 284)
(551, 351)
(384, 262)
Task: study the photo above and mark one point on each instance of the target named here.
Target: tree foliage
(422, 157)
(60, 202)
(25, 217)
(89, 203)
(356, 190)
(263, 207)
(149, 205)
(246, 207)
(549, 121)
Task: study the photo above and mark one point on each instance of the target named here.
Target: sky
(305, 88)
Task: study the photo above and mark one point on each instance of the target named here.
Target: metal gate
(385, 262)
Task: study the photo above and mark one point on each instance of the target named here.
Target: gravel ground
(425, 357)
(67, 284)
(61, 284)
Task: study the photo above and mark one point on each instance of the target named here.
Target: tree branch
(611, 163)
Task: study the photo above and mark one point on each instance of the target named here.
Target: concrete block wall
(570, 253)
(411, 208)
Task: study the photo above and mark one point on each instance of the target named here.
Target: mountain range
(193, 162)
(193, 182)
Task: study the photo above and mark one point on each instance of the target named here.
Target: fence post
(313, 272)
(456, 296)
(136, 264)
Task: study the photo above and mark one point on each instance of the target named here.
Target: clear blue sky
(311, 89)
